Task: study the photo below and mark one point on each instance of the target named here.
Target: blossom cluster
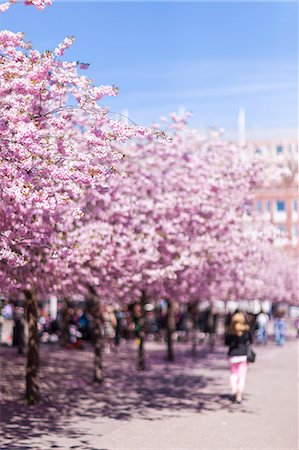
(39, 4)
(176, 225)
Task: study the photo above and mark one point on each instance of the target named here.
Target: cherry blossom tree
(56, 142)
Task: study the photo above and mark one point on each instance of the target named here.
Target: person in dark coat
(238, 339)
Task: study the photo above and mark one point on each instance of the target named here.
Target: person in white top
(262, 323)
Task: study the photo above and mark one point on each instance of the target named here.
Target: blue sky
(211, 57)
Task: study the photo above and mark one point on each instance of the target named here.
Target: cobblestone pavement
(183, 405)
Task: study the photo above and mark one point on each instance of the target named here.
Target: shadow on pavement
(165, 390)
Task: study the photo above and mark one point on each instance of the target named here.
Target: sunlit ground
(181, 405)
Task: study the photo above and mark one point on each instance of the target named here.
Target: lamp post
(241, 127)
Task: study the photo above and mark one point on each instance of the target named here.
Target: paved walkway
(178, 406)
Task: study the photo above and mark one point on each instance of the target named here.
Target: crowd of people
(119, 322)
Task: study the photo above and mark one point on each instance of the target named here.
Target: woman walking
(238, 339)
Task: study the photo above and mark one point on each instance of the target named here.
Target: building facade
(277, 201)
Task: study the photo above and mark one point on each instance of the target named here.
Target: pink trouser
(238, 376)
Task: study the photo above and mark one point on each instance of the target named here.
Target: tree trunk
(194, 331)
(194, 342)
(141, 359)
(170, 328)
(64, 323)
(141, 334)
(97, 338)
(32, 373)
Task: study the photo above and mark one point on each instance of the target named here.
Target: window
(280, 205)
(282, 228)
(268, 206)
(295, 205)
(258, 206)
(279, 149)
(258, 151)
(294, 231)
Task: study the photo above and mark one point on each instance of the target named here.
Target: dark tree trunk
(141, 359)
(97, 338)
(32, 373)
(64, 323)
(194, 331)
(141, 334)
(170, 328)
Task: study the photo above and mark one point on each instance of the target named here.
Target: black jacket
(238, 344)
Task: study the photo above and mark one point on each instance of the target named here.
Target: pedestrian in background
(262, 321)
(238, 338)
(279, 328)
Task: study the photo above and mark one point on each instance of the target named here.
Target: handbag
(251, 355)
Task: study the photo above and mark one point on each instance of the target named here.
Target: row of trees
(118, 212)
